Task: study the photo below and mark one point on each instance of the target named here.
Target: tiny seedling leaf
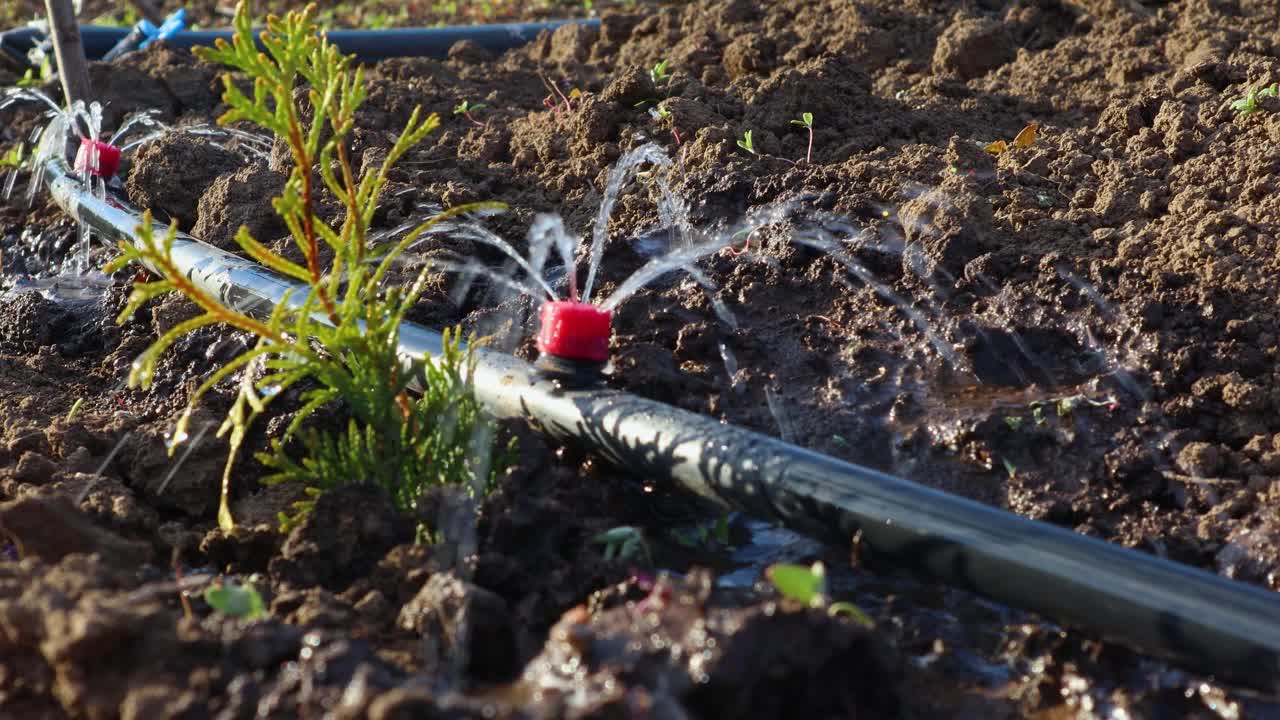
(803, 584)
(658, 73)
(806, 121)
(241, 601)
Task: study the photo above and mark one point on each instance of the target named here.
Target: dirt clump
(478, 631)
(971, 47)
(234, 201)
(51, 527)
(342, 538)
(170, 174)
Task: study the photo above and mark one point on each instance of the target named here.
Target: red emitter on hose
(575, 331)
(98, 158)
(573, 340)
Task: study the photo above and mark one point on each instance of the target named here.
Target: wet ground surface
(1081, 331)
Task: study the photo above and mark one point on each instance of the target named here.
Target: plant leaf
(797, 582)
(240, 601)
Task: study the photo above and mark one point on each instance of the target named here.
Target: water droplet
(173, 440)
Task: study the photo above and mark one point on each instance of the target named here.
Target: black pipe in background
(364, 44)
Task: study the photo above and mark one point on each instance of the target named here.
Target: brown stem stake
(72, 67)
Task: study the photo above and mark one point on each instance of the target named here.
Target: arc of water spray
(102, 468)
(191, 446)
(622, 173)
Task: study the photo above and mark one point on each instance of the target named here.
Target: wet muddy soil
(1081, 330)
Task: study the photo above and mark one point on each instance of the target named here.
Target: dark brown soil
(1101, 355)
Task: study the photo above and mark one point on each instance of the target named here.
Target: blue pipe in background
(364, 44)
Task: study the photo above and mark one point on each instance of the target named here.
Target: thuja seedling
(1248, 104)
(239, 601)
(745, 143)
(806, 121)
(465, 108)
(808, 586)
(339, 342)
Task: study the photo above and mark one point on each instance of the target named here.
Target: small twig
(556, 89)
(69, 50)
(182, 591)
(549, 104)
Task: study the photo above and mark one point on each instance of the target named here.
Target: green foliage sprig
(339, 342)
(808, 586)
(806, 122)
(238, 601)
(1248, 104)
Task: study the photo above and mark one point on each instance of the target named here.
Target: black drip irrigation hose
(368, 45)
(1221, 627)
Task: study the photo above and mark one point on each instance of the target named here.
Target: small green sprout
(659, 77)
(709, 535)
(75, 408)
(13, 158)
(1009, 467)
(661, 112)
(808, 586)
(465, 108)
(658, 73)
(1013, 421)
(839, 441)
(806, 121)
(623, 543)
(35, 77)
(1066, 405)
(239, 601)
(745, 143)
(1248, 104)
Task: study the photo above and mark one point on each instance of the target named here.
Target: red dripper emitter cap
(107, 158)
(575, 331)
